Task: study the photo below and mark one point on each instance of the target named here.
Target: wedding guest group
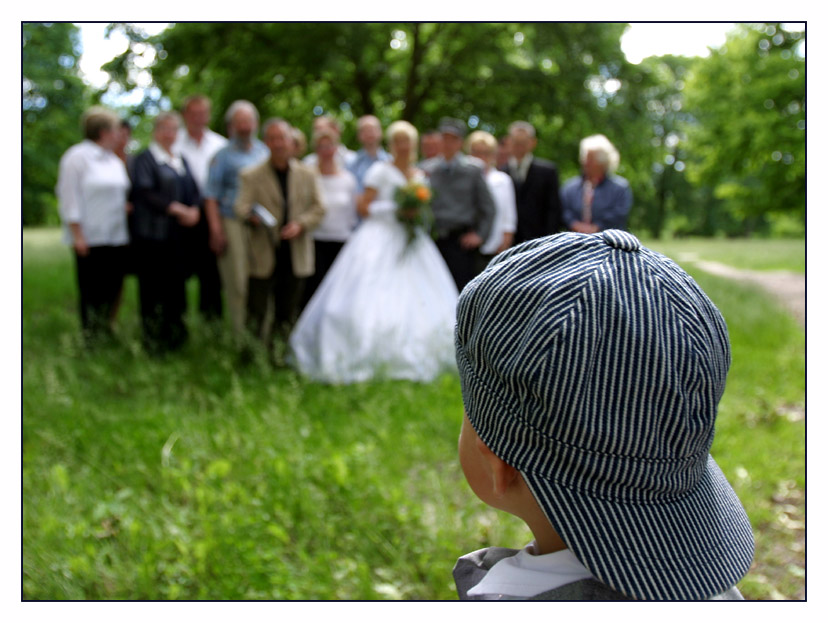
(322, 258)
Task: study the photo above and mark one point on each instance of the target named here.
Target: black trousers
(463, 264)
(100, 278)
(281, 292)
(161, 286)
(326, 252)
(202, 263)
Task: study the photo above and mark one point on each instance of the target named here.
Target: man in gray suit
(463, 207)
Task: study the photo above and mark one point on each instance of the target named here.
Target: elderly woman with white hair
(597, 199)
(386, 308)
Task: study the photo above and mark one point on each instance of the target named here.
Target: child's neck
(547, 541)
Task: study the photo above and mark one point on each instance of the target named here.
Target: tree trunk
(413, 98)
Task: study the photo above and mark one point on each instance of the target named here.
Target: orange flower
(423, 194)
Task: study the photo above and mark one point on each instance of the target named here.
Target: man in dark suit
(536, 186)
(463, 207)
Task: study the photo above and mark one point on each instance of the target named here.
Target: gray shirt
(462, 201)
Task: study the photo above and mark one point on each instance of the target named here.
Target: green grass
(752, 254)
(193, 477)
(760, 439)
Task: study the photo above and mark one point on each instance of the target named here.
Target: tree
(652, 113)
(53, 101)
(747, 138)
(488, 74)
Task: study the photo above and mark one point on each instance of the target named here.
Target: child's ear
(503, 474)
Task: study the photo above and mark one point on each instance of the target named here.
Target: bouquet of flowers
(414, 209)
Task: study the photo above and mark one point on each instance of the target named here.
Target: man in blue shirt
(369, 134)
(597, 199)
(227, 239)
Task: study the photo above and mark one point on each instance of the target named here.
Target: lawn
(744, 253)
(195, 477)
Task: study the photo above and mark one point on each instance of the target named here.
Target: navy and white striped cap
(595, 366)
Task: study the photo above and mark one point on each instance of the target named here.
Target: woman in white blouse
(92, 191)
(338, 189)
(484, 146)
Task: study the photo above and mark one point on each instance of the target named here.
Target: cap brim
(690, 548)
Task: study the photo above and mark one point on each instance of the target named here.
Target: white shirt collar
(163, 157)
(207, 138)
(527, 574)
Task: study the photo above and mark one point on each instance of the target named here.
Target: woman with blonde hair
(92, 191)
(386, 307)
(483, 146)
(338, 191)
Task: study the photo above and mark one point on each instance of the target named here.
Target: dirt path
(786, 287)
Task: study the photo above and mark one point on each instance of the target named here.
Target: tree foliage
(53, 101)
(489, 74)
(654, 118)
(747, 138)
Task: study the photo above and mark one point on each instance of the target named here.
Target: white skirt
(384, 310)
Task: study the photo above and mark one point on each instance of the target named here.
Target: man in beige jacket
(280, 243)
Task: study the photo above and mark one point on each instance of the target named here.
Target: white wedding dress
(384, 310)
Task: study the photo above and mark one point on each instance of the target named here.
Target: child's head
(594, 367)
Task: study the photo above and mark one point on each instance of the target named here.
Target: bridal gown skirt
(382, 311)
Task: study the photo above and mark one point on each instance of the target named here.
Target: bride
(384, 309)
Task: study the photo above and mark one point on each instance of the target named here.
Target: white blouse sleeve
(507, 193)
(68, 189)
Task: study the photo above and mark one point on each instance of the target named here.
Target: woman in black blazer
(165, 201)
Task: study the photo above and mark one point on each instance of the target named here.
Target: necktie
(519, 172)
(586, 213)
